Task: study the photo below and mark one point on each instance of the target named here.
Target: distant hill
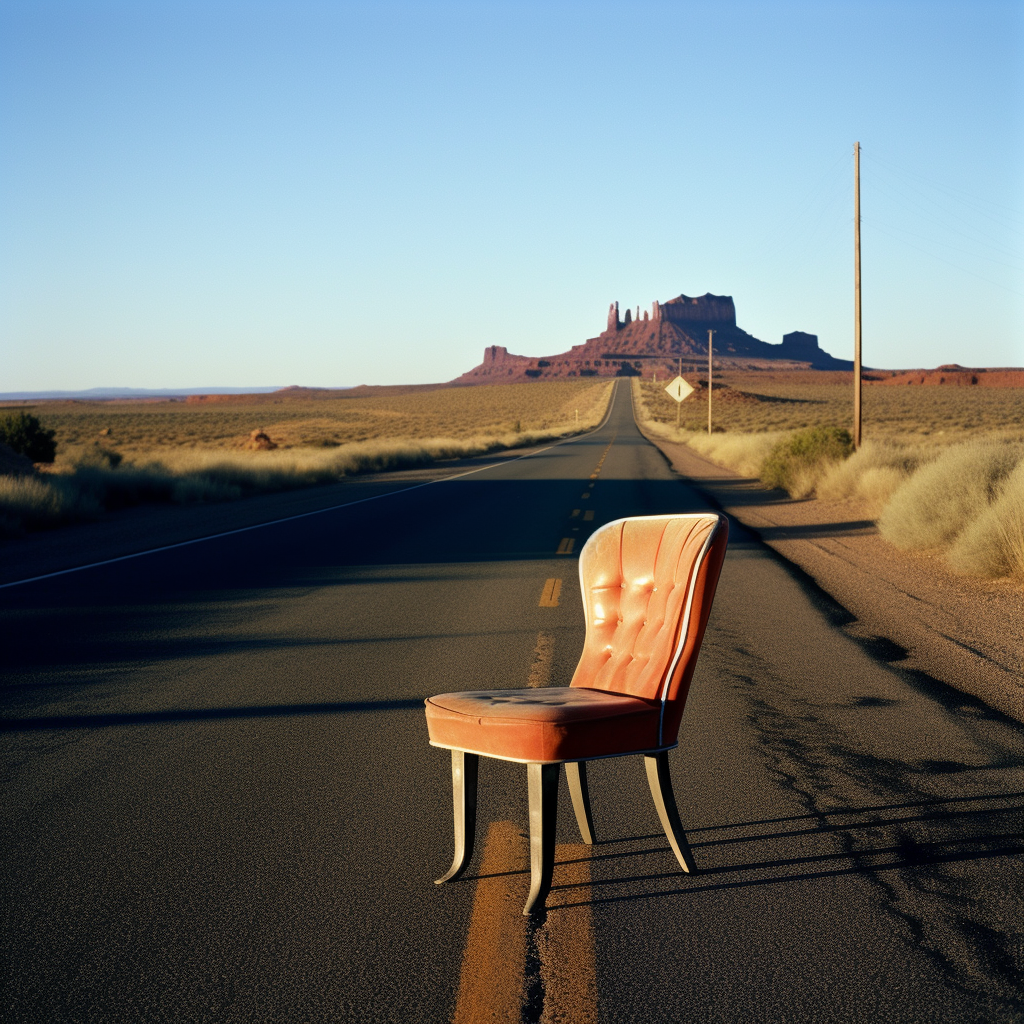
(101, 394)
(955, 375)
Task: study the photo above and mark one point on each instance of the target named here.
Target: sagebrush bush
(23, 433)
(945, 496)
(992, 544)
(796, 463)
(874, 472)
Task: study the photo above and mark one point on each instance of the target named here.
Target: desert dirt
(907, 609)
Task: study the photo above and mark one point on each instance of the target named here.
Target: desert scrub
(83, 489)
(944, 497)
(798, 462)
(992, 544)
(744, 453)
(874, 472)
(755, 402)
(23, 433)
(151, 429)
(37, 503)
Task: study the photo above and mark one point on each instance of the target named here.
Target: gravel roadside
(907, 609)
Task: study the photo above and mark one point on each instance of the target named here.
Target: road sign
(679, 389)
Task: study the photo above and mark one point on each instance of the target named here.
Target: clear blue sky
(256, 193)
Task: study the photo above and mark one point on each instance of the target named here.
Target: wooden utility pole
(856, 295)
(709, 381)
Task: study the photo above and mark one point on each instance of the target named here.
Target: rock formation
(673, 330)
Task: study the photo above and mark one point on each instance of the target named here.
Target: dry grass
(959, 492)
(992, 544)
(932, 506)
(149, 429)
(939, 415)
(207, 463)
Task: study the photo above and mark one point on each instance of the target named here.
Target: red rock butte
(632, 346)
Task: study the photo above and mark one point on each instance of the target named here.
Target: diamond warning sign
(679, 389)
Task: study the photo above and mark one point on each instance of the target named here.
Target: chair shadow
(863, 860)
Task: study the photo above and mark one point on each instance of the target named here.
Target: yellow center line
(493, 983)
(565, 943)
(565, 546)
(588, 515)
(575, 513)
(493, 980)
(549, 595)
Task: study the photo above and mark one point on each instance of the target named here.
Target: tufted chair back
(648, 584)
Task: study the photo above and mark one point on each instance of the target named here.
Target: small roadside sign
(679, 389)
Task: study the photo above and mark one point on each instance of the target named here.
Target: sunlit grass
(959, 492)
(142, 429)
(939, 415)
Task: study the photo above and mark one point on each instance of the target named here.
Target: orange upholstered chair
(648, 584)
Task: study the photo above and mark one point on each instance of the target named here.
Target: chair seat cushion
(556, 723)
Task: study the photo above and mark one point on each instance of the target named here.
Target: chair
(648, 583)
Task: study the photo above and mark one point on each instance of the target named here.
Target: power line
(898, 196)
(956, 266)
(943, 187)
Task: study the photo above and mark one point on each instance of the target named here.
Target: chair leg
(576, 776)
(664, 799)
(464, 775)
(543, 786)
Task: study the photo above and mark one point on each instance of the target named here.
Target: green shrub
(27, 436)
(795, 462)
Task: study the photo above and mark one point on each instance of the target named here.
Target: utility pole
(856, 295)
(709, 381)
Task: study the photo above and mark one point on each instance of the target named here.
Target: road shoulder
(907, 609)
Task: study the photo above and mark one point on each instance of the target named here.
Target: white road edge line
(301, 515)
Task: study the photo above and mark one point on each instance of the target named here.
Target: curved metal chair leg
(576, 776)
(464, 774)
(660, 781)
(543, 786)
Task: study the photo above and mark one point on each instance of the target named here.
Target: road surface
(220, 805)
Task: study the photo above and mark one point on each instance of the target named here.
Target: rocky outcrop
(953, 375)
(655, 342)
(259, 441)
(701, 313)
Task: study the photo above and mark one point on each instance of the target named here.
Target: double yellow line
(567, 545)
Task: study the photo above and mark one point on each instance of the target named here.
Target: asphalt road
(220, 805)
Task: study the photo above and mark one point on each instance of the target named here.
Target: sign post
(679, 389)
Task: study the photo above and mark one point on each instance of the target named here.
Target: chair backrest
(648, 583)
